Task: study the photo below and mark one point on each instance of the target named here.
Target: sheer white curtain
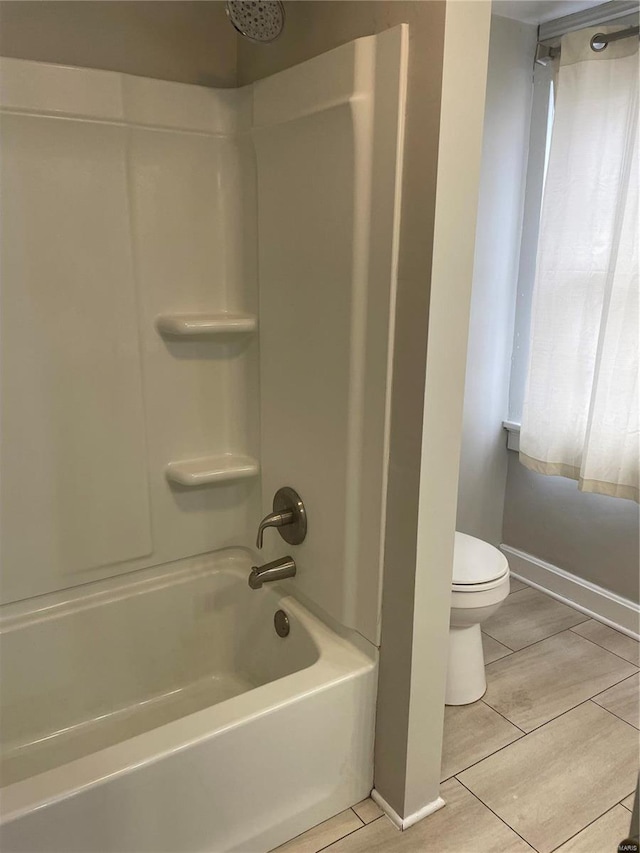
(580, 416)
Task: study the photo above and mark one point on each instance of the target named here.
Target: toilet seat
(477, 566)
(479, 587)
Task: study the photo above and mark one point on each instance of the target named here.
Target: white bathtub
(165, 714)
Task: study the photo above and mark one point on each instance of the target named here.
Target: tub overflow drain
(281, 623)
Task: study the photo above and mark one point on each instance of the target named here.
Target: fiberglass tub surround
(124, 200)
(146, 692)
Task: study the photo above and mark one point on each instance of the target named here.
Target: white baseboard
(605, 606)
(406, 822)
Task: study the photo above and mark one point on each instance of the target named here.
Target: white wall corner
(404, 823)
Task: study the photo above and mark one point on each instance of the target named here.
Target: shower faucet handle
(289, 516)
(274, 519)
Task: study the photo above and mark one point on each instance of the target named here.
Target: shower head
(258, 20)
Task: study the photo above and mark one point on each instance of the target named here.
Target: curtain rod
(597, 43)
(595, 16)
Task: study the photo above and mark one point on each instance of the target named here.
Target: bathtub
(163, 712)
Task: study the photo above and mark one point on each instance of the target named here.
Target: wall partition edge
(466, 52)
(409, 780)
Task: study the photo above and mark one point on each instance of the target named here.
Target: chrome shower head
(258, 20)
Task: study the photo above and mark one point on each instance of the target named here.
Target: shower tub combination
(186, 723)
(149, 703)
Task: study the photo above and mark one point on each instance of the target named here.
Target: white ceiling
(539, 11)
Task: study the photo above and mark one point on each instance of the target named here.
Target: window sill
(513, 435)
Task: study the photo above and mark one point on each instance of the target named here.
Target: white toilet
(480, 585)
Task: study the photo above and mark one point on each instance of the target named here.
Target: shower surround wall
(327, 247)
(116, 411)
(123, 199)
(131, 215)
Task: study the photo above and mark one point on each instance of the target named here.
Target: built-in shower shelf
(185, 325)
(211, 470)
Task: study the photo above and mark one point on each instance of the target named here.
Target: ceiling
(539, 11)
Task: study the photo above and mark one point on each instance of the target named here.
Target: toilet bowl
(480, 585)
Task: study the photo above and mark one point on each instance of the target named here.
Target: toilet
(480, 585)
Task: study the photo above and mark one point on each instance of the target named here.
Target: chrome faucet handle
(274, 519)
(277, 570)
(288, 514)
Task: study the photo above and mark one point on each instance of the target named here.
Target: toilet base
(466, 681)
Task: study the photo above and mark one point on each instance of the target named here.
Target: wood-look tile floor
(546, 761)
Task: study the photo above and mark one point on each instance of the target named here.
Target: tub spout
(278, 570)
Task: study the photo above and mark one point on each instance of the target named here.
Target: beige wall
(190, 42)
(312, 27)
(483, 461)
(592, 536)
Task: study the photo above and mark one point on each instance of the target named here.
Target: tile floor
(546, 761)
